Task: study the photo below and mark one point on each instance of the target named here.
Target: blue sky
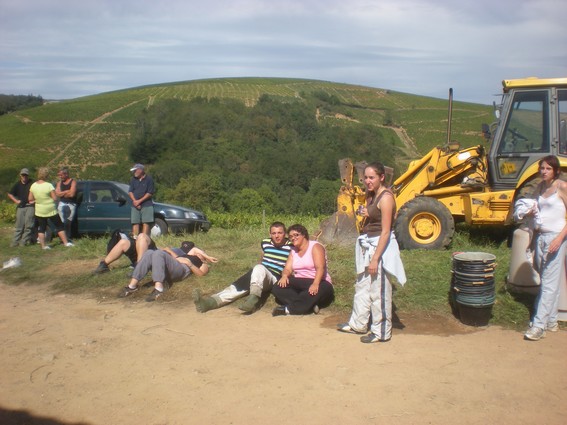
(62, 49)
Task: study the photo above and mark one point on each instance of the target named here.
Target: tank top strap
(376, 201)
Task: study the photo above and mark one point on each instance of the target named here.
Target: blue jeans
(550, 267)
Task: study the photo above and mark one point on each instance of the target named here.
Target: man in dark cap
(25, 212)
(141, 191)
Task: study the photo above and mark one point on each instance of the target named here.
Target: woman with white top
(550, 245)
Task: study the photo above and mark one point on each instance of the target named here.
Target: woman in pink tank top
(305, 285)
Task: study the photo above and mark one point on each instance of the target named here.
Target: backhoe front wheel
(424, 223)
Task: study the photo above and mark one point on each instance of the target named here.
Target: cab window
(527, 129)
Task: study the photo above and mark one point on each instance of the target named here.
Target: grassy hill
(91, 134)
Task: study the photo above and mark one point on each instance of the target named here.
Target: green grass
(426, 292)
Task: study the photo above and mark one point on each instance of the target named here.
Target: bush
(7, 211)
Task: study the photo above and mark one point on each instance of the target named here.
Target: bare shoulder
(386, 200)
(318, 247)
(562, 186)
(562, 190)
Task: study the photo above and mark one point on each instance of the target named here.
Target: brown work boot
(251, 304)
(203, 303)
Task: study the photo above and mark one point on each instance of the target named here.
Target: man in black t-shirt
(25, 212)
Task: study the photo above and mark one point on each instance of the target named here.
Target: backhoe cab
(479, 185)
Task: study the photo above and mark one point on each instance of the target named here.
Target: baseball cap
(137, 167)
(25, 172)
(187, 246)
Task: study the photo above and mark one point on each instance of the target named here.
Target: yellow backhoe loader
(478, 184)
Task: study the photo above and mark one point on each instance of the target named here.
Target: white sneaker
(534, 334)
(46, 247)
(553, 327)
(69, 244)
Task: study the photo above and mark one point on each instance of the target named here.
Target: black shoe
(154, 295)
(279, 311)
(126, 291)
(102, 268)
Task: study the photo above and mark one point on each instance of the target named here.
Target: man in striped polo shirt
(258, 281)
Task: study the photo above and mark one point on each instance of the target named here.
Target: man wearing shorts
(140, 192)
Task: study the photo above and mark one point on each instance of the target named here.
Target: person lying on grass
(168, 265)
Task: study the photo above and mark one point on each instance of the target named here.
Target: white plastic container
(521, 276)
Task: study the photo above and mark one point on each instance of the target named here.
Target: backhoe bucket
(343, 226)
(338, 229)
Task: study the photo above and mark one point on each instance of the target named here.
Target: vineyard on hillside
(92, 134)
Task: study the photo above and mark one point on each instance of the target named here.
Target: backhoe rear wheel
(425, 223)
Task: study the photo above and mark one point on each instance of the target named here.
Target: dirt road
(72, 359)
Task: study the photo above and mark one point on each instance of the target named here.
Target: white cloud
(68, 49)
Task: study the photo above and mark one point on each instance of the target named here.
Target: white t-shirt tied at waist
(391, 260)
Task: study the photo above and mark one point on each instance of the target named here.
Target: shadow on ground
(23, 417)
(415, 324)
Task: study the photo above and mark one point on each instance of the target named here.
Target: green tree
(322, 196)
(248, 200)
(201, 191)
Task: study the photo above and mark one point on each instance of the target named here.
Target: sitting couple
(294, 270)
